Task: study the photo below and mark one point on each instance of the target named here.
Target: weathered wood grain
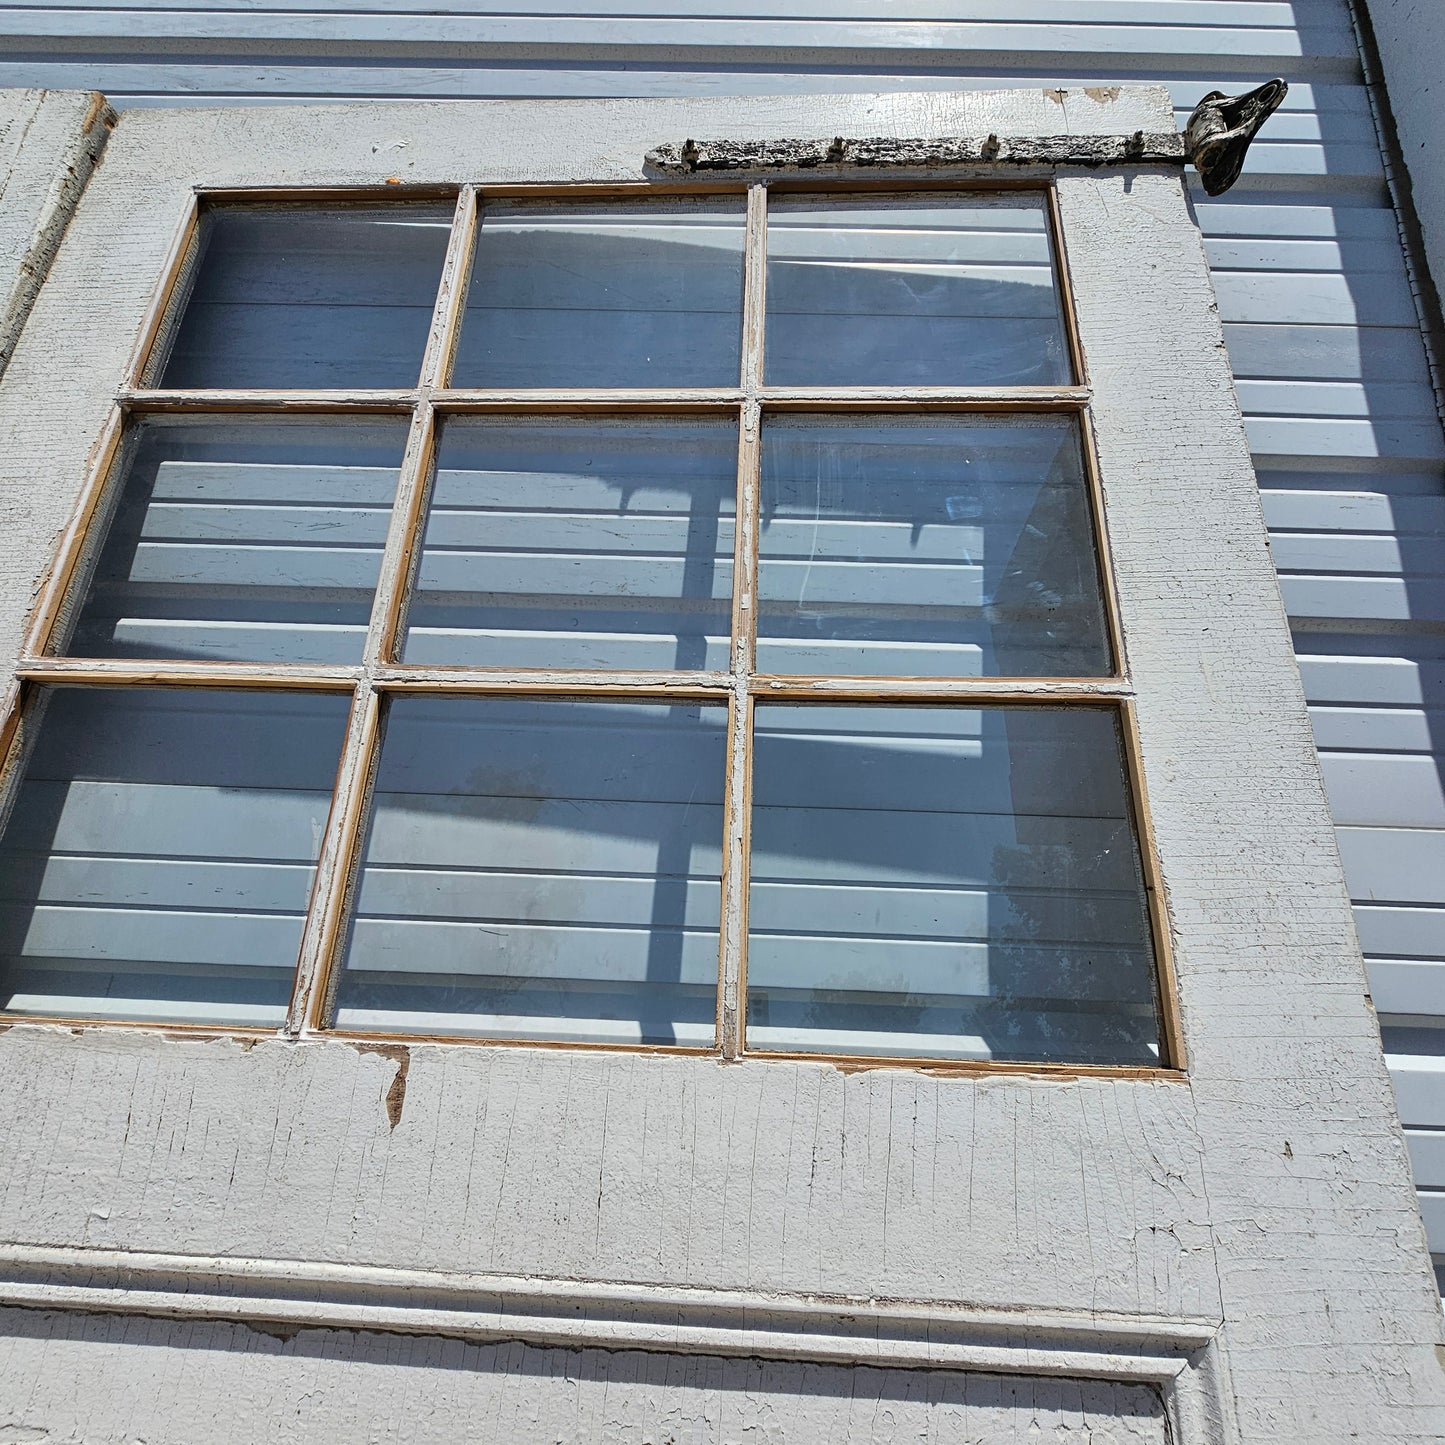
(49, 143)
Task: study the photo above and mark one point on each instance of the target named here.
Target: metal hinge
(1221, 127)
(1215, 140)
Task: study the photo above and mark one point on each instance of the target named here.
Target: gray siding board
(1420, 1095)
(1427, 1154)
(1331, 552)
(1362, 600)
(1373, 511)
(1386, 730)
(1319, 320)
(1393, 681)
(934, 43)
(1401, 984)
(1413, 933)
(1264, 13)
(1389, 438)
(1432, 1209)
(1384, 791)
(1311, 299)
(1394, 864)
(1411, 46)
(224, 79)
(1324, 353)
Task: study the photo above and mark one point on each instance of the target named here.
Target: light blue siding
(1319, 319)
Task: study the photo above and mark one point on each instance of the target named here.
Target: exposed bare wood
(403, 539)
(737, 824)
(737, 811)
(1064, 290)
(1171, 1019)
(395, 677)
(864, 398)
(678, 187)
(755, 281)
(394, 191)
(745, 559)
(401, 677)
(176, 276)
(169, 1028)
(932, 398)
(10, 713)
(974, 178)
(475, 1040)
(768, 687)
(966, 1068)
(18, 725)
(325, 921)
(78, 538)
(1103, 556)
(231, 399)
(671, 187)
(623, 399)
(128, 672)
(682, 399)
(451, 294)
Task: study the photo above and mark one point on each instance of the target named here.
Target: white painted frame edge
(51, 141)
(1175, 1355)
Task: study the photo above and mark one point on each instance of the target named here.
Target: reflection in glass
(940, 547)
(541, 870)
(578, 544)
(249, 541)
(950, 883)
(928, 291)
(306, 297)
(158, 861)
(605, 295)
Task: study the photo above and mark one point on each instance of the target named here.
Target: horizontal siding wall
(1311, 280)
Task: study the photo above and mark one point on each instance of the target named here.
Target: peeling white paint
(49, 142)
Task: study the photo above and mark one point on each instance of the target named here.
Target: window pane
(295, 296)
(934, 291)
(949, 883)
(959, 547)
(159, 857)
(245, 541)
(541, 870)
(578, 544)
(630, 294)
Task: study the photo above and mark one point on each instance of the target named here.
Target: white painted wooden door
(954, 1245)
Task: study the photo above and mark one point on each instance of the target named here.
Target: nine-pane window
(660, 621)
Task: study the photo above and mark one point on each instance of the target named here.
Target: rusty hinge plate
(694, 156)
